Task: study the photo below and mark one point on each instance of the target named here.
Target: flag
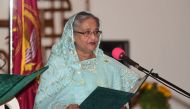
(27, 56)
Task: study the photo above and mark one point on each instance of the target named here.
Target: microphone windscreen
(116, 52)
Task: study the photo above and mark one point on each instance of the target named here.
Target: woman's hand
(124, 107)
(73, 106)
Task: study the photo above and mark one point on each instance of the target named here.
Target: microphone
(119, 54)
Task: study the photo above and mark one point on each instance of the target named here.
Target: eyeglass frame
(88, 33)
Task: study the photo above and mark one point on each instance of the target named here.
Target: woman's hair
(81, 16)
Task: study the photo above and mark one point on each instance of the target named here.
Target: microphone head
(116, 53)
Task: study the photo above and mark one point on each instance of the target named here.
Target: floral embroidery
(89, 65)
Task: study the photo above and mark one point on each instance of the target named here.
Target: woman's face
(86, 36)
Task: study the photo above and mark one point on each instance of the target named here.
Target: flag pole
(11, 37)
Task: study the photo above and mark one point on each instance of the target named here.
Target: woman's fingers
(73, 106)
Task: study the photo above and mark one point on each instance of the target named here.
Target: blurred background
(155, 33)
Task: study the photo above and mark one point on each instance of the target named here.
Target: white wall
(4, 13)
(159, 34)
(158, 31)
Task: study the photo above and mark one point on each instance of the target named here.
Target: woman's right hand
(73, 106)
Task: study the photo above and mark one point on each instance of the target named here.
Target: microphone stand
(162, 80)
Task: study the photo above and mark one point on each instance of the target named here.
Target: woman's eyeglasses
(89, 33)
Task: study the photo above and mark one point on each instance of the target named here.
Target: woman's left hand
(73, 106)
(124, 107)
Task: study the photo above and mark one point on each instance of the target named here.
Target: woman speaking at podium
(77, 66)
